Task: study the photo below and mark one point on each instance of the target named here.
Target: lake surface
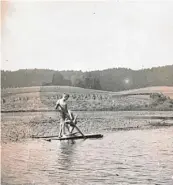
(123, 157)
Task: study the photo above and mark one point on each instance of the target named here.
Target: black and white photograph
(86, 92)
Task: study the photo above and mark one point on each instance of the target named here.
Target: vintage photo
(86, 92)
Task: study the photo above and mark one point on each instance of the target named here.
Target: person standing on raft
(68, 120)
(61, 105)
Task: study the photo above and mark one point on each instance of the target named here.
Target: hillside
(44, 99)
(167, 91)
(116, 79)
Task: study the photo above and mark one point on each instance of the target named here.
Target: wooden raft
(89, 136)
(96, 136)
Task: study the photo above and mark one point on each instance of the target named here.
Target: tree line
(114, 79)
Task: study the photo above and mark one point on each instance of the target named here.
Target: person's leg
(70, 121)
(71, 129)
(60, 130)
(67, 126)
(63, 124)
(73, 123)
(63, 128)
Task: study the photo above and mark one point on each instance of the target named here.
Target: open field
(44, 99)
(162, 89)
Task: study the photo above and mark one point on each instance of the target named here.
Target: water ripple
(134, 157)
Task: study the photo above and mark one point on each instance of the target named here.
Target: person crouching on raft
(61, 105)
(70, 121)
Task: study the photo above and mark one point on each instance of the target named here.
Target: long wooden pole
(74, 126)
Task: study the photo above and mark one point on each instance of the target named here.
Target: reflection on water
(133, 157)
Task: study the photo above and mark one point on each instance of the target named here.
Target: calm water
(125, 157)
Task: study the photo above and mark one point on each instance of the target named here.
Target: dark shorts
(62, 116)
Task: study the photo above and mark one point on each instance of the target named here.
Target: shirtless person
(61, 105)
(67, 118)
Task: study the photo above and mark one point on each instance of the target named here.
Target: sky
(80, 35)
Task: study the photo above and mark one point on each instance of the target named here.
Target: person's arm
(70, 115)
(57, 104)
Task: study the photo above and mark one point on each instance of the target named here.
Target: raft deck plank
(96, 136)
(44, 137)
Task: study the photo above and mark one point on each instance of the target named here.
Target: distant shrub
(158, 98)
(3, 100)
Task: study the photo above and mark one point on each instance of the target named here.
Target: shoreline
(16, 128)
